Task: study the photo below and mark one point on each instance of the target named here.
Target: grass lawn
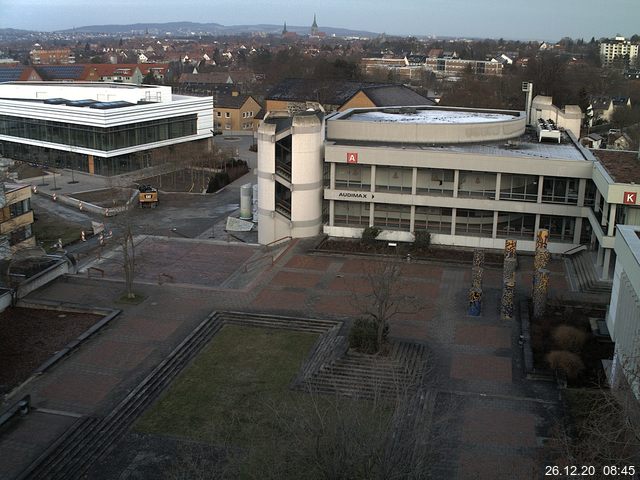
(226, 394)
(49, 228)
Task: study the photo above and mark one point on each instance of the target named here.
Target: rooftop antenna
(527, 87)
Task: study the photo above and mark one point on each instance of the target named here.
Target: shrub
(370, 234)
(423, 239)
(568, 362)
(218, 181)
(363, 336)
(569, 338)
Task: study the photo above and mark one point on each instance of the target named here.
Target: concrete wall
(306, 175)
(569, 118)
(623, 317)
(344, 128)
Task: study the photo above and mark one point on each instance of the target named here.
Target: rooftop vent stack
(527, 87)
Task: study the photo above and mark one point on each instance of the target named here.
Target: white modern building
(623, 317)
(102, 128)
(619, 49)
(470, 177)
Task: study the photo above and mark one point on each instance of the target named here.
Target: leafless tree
(604, 429)
(385, 297)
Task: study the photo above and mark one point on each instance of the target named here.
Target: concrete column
(456, 181)
(600, 255)
(605, 214)
(596, 207)
(453, 220)
(414, 183)
(536, 225)
(373, 180)
(412, 221)
(577, 231)
(498, 180)
(540, 185)
(605, 264)
(612, 219)
(332, 180)
(582, 188)
(494, 232)
(332, 211)
(371, 212)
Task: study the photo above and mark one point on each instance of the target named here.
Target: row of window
(98, 138)
(228, 114)
(438, 220)
(470, 184)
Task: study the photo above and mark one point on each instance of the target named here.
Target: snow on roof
(431, 116)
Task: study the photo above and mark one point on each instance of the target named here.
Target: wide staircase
(92, 437)
(586, 275)
(370, 376)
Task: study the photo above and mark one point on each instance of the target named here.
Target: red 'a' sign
(630, 198)
(352, 157)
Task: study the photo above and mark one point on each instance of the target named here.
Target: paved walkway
(494, 419)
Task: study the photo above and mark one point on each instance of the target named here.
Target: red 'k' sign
(352, 157)
(630, 198)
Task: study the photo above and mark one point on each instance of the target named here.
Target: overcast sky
(516, 19)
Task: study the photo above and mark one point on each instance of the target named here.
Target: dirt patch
(31, 336)
(48, 228)
(107, 198)
(26, 170)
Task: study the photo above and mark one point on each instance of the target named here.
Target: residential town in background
(434, 241)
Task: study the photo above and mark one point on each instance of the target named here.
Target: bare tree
(604, 428)
(385, 298)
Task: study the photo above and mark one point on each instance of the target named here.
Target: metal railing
(576, 249)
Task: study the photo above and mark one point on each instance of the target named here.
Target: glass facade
(394, 179)
(351, 214)
(97, 138)
(353, 177)
(560, 190)
(519, 187)
(516, 225)
(477, 184)
(391, 216)
(433, 219)
(474, 222)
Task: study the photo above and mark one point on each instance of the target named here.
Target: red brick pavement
(421, 270)
(80, 388)
(336, 305)
(483, 336)
(351, 284)
(484, 426)
(481, 367)
(487, 466)
(272, 299)
(114, 354)
(296, 279)
(305, 262)
(149, 328)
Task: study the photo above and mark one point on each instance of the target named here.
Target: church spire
(314, 27)
(284, 30)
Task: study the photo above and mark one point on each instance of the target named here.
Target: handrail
(288, 237)
(578, 248)
(21, 407)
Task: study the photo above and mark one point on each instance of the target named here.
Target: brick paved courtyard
(498, 417)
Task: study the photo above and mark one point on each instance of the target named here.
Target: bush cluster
(363, 336)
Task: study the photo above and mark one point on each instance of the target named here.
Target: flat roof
(83, 84)
(431, 116)
(525, 146)
(622, 165)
